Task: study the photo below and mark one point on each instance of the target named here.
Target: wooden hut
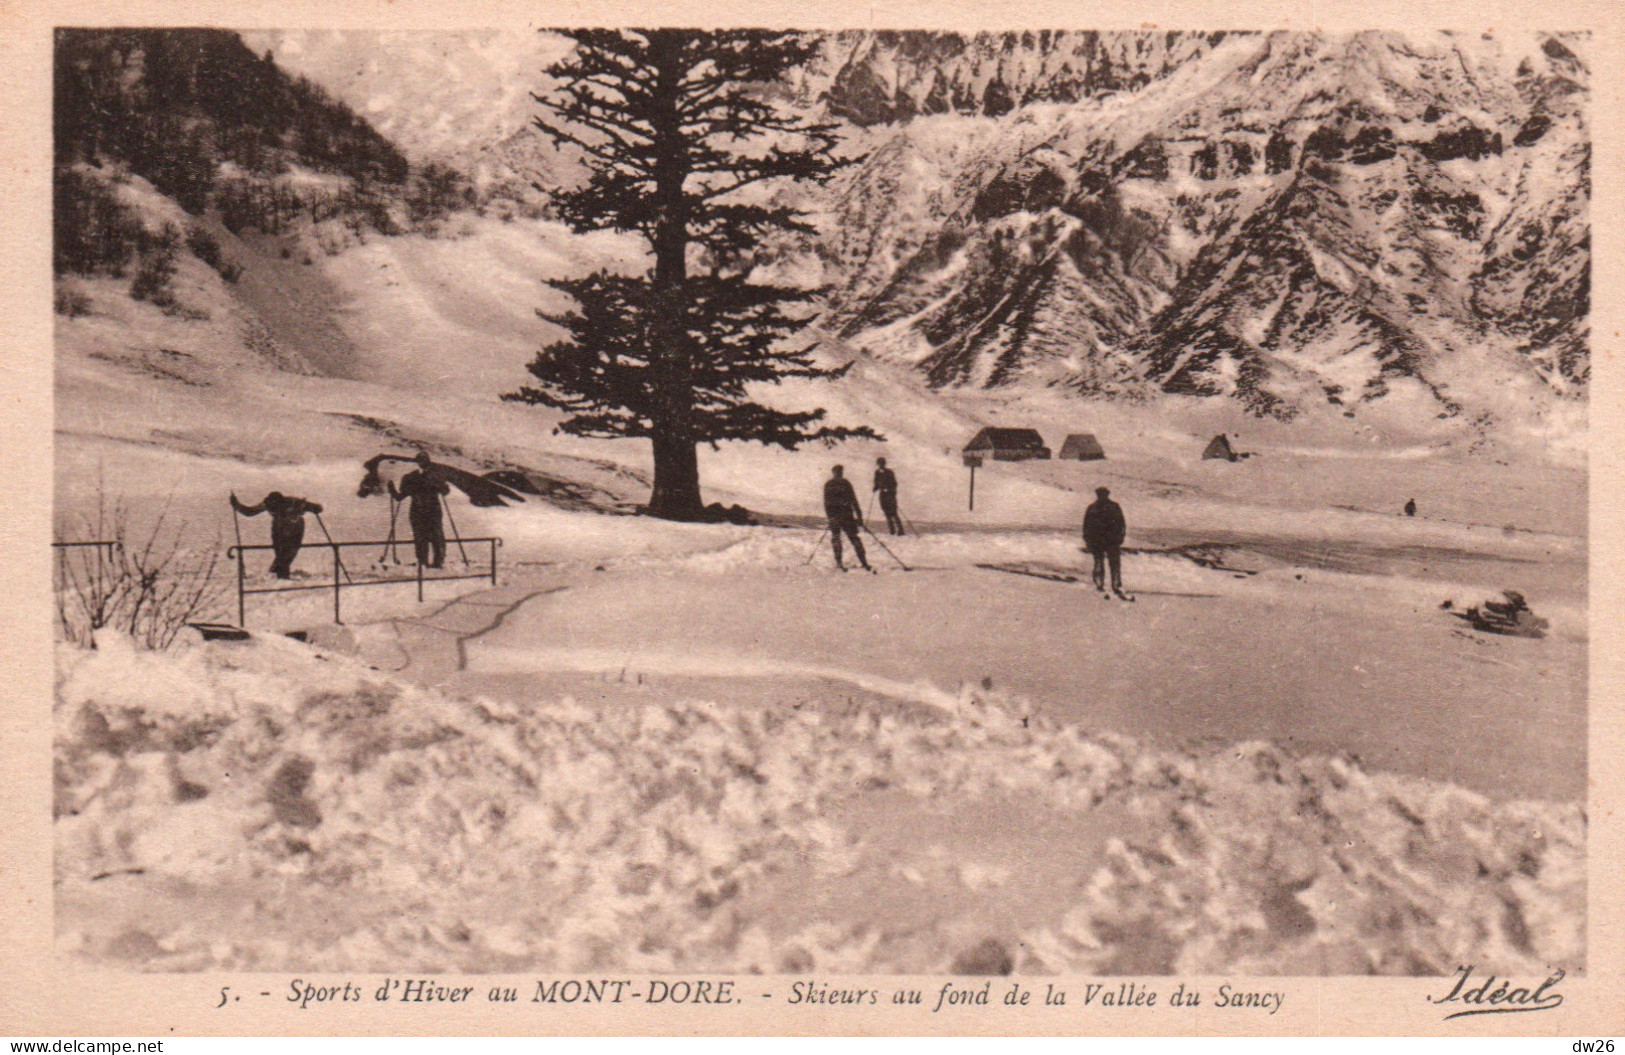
(1081, 447)
(1008, 445)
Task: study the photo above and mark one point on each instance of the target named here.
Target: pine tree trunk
(677, 469)
(676, 493)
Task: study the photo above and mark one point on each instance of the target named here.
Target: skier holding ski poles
(287, 526)
(425, 488)
(845, 516)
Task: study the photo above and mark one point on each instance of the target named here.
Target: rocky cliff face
(1284, 219)
(893, 76)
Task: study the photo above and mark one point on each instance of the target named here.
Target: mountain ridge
(1285, 219)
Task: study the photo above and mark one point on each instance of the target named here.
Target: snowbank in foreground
(258, 806)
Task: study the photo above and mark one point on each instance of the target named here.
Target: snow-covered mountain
(1288, 219)
(890, 76)
(462, 99)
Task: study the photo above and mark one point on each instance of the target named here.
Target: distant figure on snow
(1103, 532)
(886, 487)
(287, 527)
(425, 488)
(1410, 508)
(845, 515)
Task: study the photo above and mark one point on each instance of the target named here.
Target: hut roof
(1219, 447)
(1001, 439)
(1083, 447)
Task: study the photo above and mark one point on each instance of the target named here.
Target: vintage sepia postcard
(748, 518)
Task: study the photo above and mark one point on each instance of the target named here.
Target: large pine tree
(679, 131)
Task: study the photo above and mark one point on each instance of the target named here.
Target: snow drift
(261, 806)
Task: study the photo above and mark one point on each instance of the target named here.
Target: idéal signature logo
(1488, 998)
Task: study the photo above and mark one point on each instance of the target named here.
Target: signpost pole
(973, 460)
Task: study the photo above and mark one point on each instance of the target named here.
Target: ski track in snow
(501, 660)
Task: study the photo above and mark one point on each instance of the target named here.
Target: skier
(1410, 507)
(425, 488)
(886, 487)
(287, 527)
(1103, 531)
(841, 506)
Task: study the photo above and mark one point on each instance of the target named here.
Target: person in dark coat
(845, 516)
(1410, 507)
(424, 487)
(287, 527)
(886, 488)
(1103, 532)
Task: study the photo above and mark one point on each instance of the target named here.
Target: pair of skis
(828, 531)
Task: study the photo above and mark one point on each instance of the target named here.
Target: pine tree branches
(686, 146)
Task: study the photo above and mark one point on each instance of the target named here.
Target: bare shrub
(71, 302)
(149, 586)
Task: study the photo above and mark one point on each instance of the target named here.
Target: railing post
(338, 586)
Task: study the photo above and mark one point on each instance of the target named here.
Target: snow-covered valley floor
(728, 761)
(661, 747)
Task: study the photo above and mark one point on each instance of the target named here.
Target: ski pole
(237, 529)
(329, 536)
(887, 548)
(453, 522)
(389, 543)
(817, 544)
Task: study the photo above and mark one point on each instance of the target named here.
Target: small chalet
(1008, 445)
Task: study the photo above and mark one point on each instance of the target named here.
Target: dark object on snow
(845, 516)
(513, 478)
(483, 491)
(287, 527)
(717, 513)
(1008, 445)
(1219, 447)
(1081, 447)
(1511, 617)
(220, 631)
(1104, 529)
(1410, 507)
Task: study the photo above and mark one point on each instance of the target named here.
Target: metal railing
(342, 579)
(112, 546)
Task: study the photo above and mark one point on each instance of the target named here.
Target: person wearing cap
(1103, 532)
(287, 527)
(845, 516)
(425, 488)
(886, 487)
